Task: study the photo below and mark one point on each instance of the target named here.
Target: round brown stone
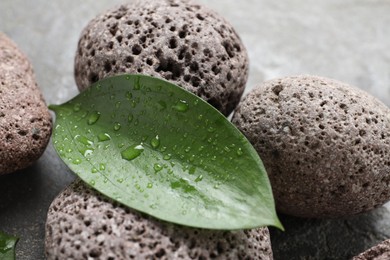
(25, 122)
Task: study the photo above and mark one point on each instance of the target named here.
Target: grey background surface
(347, 40)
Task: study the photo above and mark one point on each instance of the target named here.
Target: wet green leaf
(7, 246)
(159, 149)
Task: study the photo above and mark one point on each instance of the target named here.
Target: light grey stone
(378, 252)
(83, 224)
(325, 144)
(181, 41)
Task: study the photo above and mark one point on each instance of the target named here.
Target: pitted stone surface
(83, 224)
(25, 122)
(378, 252)
(180, 41)
(325, 145)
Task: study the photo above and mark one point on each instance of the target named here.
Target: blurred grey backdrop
(346, 40)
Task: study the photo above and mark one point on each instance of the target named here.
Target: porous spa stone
(325, 144)
(82, 224)
(25, 122)
(378, 252)
(178, 40)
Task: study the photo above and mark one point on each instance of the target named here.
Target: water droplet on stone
(93, 117)
(155, 142)
(132, 152)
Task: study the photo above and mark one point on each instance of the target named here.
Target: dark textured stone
(325, 145)
(180, 41)
(378, 252)
(81, 223)
(25, 122)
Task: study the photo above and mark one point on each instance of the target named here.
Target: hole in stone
(200, 17)
(149, 62)
(137, 49)
(229, 48)
(168, 65)
(22, 133)
(172, 43)
(107, 66)
(277, 89)
(195, 81)
(129, 59)
(194, 67)
(93, 77)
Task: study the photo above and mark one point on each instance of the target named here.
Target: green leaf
(157, 148)
(7, 246)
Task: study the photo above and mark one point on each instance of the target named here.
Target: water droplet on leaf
(76, 161)
(93, 117)
(167, 156)
(117, 126)
(199, 178)
(77, 107)
(130, 118)
(104, 137)
(181, 106)
(155, 142)
(157, 167)
(132, 152)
